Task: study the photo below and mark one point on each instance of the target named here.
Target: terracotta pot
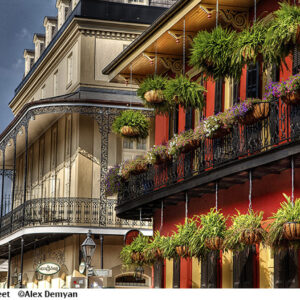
(129, 131)
(221, 132)
(154, 96)
(214, 243)
(251, 237)
(292, 98)
(259, 112)
(291, 230)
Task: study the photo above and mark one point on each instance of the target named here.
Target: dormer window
(29, 60)
(39, 42)
(50, 24)
(74, 3)
(63, 9)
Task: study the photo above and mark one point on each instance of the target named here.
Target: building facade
(59, 146)
(263, 156)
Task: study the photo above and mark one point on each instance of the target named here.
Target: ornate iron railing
(65, 212)
(281, 127)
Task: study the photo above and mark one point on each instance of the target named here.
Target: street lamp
(88, 248)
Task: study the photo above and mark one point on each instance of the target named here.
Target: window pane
(141, 144)
(127, 144)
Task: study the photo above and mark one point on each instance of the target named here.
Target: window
(55, 83)
(253, 82)
(69, 69)
(210, 271)
(140, 2)
(218, 95)
(133, 149)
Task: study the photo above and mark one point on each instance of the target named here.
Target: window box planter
(292, 98)
(163, 159)
(259, 112)
(291, 230)
(220, 133)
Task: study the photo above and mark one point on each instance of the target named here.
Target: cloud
(24, 34)
(18, 64)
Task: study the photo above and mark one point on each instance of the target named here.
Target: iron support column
(2, 187)
(101, 246)
(25, 171)
(14, 183)
(9, 263)
(22, 256)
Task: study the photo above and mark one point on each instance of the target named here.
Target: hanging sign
(48, 268)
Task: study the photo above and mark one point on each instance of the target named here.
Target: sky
(19, 20)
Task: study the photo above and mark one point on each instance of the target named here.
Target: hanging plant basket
(137, 257)
(259, 112)
(292, 98)
(154, 96)
(129, 131)
(291, 230)
(214, 243)
(182, 251)
(131, 124)
(251, 237)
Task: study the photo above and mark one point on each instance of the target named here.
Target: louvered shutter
(236, 92)
(243, 265)
(173, 122)
(209, 270)
(218, 95)
(158, 273)
(296, 60)
(253, 84)
(176, 273)
(189, 119)
(286, 268)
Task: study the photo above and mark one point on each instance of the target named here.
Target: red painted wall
(185, 273)
(161, 129)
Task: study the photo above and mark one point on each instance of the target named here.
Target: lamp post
(88, 248)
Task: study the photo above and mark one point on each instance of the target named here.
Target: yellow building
(59, 146)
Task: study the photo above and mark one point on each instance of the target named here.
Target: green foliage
(155, 82)
(138, 245)
(133, 118)
(240, 223)
(213, 224)
(187, 93)
(281, 37)
(152, 248)
(182, 237)
(288, 212)
(212, 53)
(249, 43)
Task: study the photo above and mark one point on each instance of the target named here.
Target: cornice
(109, 34)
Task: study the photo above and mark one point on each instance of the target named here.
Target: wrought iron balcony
(77, 212)
(280, 129)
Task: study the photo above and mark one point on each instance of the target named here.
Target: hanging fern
(212, 52)
(187, 93)
(282, 35)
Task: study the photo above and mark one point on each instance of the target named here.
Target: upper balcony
(264, 147)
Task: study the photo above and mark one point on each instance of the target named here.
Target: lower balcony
(264, 147)
(66, 212)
